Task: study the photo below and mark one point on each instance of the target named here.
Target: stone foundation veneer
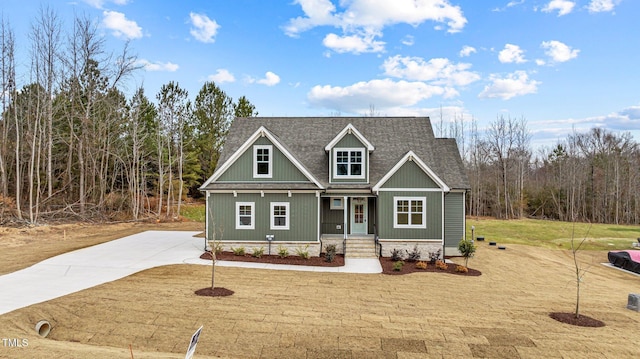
(249, 246)
(425, 247)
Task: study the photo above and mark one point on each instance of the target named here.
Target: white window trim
(424, 212)
(272, 217)
(253, 215)
(255, 161)
(363, 153)
(331, 206)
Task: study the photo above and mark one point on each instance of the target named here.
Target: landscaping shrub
(467, 248)
(330, 252)
(414, 255)
(396, 255)
(421, 265)
(441, 265)
(434, 256)
(397, 266)
(240, 251)
(283, 252)
(303, 252)
(461, 269)
(258, 252)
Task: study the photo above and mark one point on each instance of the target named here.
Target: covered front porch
(349, 222)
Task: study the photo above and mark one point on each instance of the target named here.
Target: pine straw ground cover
(504, 313)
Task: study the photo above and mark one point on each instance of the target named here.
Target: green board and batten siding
(303, 217)
(283, 169)
(410, 176)
(433, 210)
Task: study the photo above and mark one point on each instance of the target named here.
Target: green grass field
(193, 212)
(554, 234)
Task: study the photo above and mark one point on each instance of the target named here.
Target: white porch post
(344, 225)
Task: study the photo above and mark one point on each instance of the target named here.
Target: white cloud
(440, 71)
(408, 40)
(222, 76)
(121, 26)
(563, 7)
(511, 53)
(353, 43)
(157, 66)
(467, 51)
(601, 5)
(270, 79)
(515, 84)
(371, 16)
(559, 52)
(509, 5)
(383, 94)
(204, 29)
(98, 4)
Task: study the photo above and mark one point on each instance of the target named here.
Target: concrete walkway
(88, 267)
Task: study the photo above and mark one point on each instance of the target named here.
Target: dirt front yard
(287, 314)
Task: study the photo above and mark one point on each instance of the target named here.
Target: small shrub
(434, 256)
(414, 255)
(303, 252)
(396, 255)
(240, 251)
(216, 246)
(467, 248)
(397, 266)
(421, 265)
(441, 265)
(283, 252)
(461, 269)
(330, 252)
(258, 252)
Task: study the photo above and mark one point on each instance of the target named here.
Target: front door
(359, 215)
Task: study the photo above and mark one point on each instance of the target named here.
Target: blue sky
(561, 64)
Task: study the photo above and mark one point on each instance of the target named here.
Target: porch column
(344, 224)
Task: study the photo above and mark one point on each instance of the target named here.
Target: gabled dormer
(349, 156)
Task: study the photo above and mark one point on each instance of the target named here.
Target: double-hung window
(245, 215)
(348, 163)
(409, 212)
(279, 215)
(262, 161)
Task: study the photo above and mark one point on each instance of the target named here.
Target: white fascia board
(411, 156)
(349, 129)
(261, 132)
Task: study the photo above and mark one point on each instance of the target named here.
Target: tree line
(72, 144)
(589, 177)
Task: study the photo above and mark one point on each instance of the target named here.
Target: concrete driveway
(88, 267)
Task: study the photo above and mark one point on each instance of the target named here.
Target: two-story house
(368, 185)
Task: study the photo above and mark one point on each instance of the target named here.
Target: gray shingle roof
(306, 137)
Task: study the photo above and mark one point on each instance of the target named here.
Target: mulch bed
(581, 321)
(338, 261)
(215, 292)
(410, 267)
(387, 263)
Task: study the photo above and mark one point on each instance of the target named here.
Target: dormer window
(262, 161)
(348, 162)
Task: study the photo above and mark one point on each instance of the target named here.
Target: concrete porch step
(360, 248)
